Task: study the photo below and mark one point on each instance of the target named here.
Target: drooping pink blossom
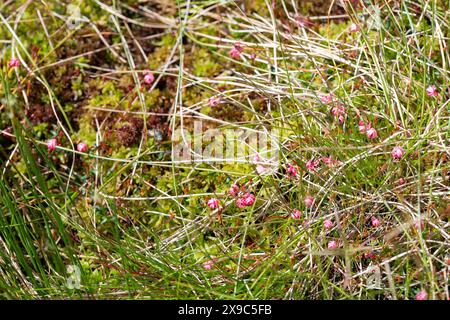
(327, 98)
(236, 51)
(432, 91)
(214, 101)
(332, 245)
(246, 200)
(339, 112)
(240, 203)
(309, 201)
(354, 27)
(398, 152)
(371, 133)
(296, 214)
(291, 170)
(149, 77)
(312, 164)
(260, 169)
(51, 144)
(208, 265)
(256, 158)
(422, 295)
(13, 63)
(375, 222)
(328, 224)
(213, 203)
(249, 199)
(401, 181)
(82, 147)
(362, 126)
(419, 224)
(234, 189)
(329, 161)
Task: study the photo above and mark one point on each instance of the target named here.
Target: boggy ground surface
(138, 225)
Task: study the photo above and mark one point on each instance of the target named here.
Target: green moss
(204, 64)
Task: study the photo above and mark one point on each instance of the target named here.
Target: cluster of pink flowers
(52, 143)
(237, 50)
(339, 112)
(330, 162)
(243, 199)
(247, 200)
(368, 129)
(312, 164)
(292, 170)
(13, 63)
(327, 98)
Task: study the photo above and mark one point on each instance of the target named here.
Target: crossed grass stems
(25, 273)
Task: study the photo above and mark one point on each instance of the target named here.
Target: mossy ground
(137, 224)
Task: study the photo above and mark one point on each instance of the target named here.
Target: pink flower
(329, 161)
(249, 199)
(432, 91)
(260, 169)
(371, 133)
(149, 77)
(362, 126)
(213, 203)
(256, 158)
(240, 203)
(328, 224)
(214, 101)
(296, 214)
(422, 295)
(369, 255)
(236, 51)
(375, 222)
(332, 245)
(234, 189)
(401, 181)
(208, 265)
(309, 201)
(82, 147)
(312, 164)
(246, 200)
(327, 98)
(292, 170)
(419, 224)
(354, 27)
(398, 152)
(13, 63)
(51, 144)
(339, 112)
